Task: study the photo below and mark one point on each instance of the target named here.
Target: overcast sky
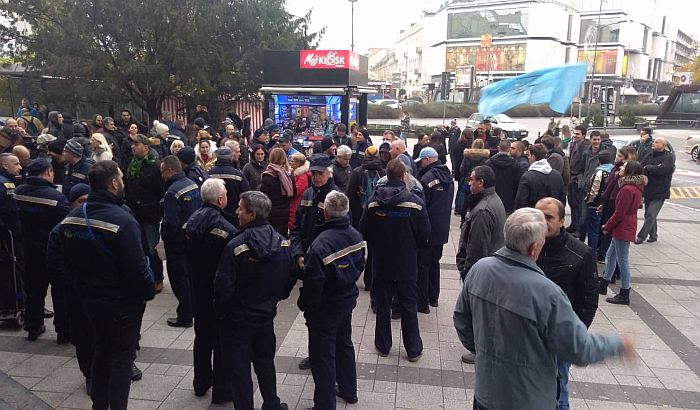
(377, 22)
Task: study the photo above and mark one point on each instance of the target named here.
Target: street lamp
(595, 55)
(352, 24)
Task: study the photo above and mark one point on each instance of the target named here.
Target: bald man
(658, 167)
(398, 147)
(22, 153)
(10, 136)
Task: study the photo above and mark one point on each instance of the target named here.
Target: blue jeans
(619, 253)
(592, 228)
(404, 137)
(563, 375)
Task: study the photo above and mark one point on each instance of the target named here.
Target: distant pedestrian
(405, 127)
(658, 166)
(539, 181)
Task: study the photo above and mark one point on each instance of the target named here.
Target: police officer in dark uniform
(41, 207)
(236, 182)
(438, 189)
(181, 199)
(396, 220)
(98, 250)
(333, 264)
(78, 165)
(10, 242)
(310, 213)
(207, 233)
(254, 274)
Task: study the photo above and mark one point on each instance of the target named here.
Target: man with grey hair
(659, 166)
(226, 170)
(207, 232)
(254, 274)
(519, 322)
(341, 167)
(334, 263)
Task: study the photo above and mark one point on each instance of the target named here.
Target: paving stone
(53, 399)
(62, 380)
(154, 387)
(38, 366)
(678, 379)
(413, 396)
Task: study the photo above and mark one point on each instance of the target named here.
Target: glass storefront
(308, 114)
(605, 60)
(472, 24)
(608, 31)
(509, 57)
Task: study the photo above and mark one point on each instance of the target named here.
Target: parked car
(692, 146)
(409, 103)
(511, 129)
(390, 104)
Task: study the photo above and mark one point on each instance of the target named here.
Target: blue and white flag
(556, 86)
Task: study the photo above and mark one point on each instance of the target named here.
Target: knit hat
(224, 153)
(57, 146)
(74, 148)
(186, 155)
(77, 191)
(199, 121)
(44, 139)
(327, 143)
(160, 128)
(371, 150)
(385, 147)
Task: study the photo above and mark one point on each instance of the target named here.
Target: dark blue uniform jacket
(438, 190)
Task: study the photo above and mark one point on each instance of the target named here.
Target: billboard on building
(509, 57)
(605, 60)
(463, 76)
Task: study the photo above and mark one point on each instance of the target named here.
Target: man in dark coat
(438, 190)
(359, 183)
(396, 220)
(190, 168)
(578, 145)
(254, 274)
(507, 175)
(41, 207)
(570, 264)
(517, 152)
(236, 183)
(334, 263)
(181, 199)
(341, 167)
(97, 248)
(658, 167)
(10, 136)
(539, 181)
(78, 166)
(207, 233)
(144, 189)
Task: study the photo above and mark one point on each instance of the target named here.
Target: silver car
(511, 129)
(692, 146)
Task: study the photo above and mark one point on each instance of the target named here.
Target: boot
(603, 286)
(622, 298)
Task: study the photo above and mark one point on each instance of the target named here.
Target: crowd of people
(243, 215)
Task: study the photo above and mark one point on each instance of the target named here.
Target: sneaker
(305, 364)
(468, 358)
(33, 334)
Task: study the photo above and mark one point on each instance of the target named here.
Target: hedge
(434, 110)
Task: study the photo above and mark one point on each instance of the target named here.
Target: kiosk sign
(328, 59)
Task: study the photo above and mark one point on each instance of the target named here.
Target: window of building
(509, 57)
(605, 60)
(608, 31)
(508, 22)
(646, 37)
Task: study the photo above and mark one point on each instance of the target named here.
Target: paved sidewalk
(664, 319)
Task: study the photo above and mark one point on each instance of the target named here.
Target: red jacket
(623, 222)
(301, 180)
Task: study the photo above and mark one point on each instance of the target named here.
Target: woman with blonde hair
(278, 185)
(302, 180)
(176, 146)
(101, 150)
(205, 158)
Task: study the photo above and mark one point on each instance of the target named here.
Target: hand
(628, 350)
(300, 262)
(599, 209)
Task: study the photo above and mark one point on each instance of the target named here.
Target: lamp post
(352, 24)
(595, 55)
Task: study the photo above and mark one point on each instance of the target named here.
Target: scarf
(281, 174)
(134, 169)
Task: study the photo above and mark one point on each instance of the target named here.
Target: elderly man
(398, 147)
(236, 183)
(207, 233)
(333, 264)
(252, 277)
(10, 136)
(519, 323)
(658, 167)
(341, 167)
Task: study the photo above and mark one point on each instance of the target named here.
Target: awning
(310, 90)
(629, 91)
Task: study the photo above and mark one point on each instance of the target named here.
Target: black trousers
(179, 278)
(116, 338)
(36, 284)
(242, 345)
(429, 274)
(405, 294)
(332, 356)
(207, 346)
(367, 275)
(83, 338)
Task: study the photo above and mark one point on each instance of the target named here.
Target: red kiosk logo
(328, 59)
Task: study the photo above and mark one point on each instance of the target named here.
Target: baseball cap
(319, 162)
(427, 152)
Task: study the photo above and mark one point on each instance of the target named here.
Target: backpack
(31, 127)
(369, 185)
